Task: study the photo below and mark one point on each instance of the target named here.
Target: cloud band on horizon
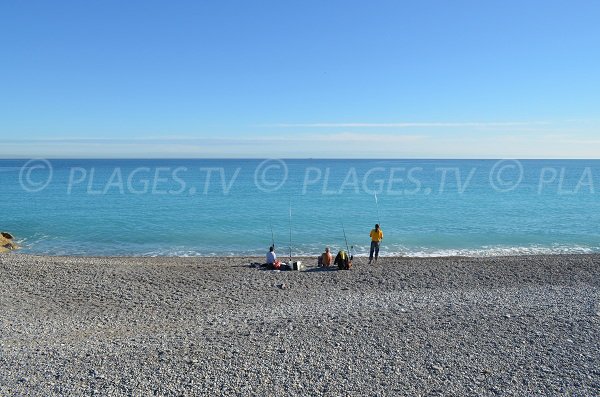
(411, 124)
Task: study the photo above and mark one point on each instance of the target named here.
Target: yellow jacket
(376, 235)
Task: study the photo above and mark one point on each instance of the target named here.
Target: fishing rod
(351, 247)
(290, 229)
(344, 230)
(272, 236)
(357, 257)
(377, 205)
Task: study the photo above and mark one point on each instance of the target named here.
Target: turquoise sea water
(229, 207)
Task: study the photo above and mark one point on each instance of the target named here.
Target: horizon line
(303, 158)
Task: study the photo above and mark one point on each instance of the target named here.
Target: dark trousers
(374, 249)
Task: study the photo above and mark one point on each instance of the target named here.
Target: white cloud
(412, 125)
(346, 144)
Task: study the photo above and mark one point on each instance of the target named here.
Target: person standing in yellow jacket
(376, 237)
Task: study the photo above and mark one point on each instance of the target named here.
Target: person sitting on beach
(272, 261)
(271, 256)
(326, 259)
(342, 261)
(376, 237)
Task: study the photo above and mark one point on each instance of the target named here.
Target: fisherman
(342, 261)
(272, 261)
(271, 256)
(376, 237)
(326, 259)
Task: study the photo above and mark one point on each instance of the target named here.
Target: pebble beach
(83, 326)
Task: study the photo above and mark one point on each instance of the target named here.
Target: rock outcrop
(7, 242)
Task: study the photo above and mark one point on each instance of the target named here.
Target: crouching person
(342, 261)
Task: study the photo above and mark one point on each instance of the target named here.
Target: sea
(229, 207)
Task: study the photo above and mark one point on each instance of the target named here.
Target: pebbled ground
(203, 326)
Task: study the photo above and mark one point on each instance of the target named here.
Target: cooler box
(298, 266)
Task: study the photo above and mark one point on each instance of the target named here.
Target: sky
(281, 79)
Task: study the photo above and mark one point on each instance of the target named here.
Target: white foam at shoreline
(31, 247)
(474, 253)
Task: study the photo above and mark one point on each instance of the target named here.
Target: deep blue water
(226, 207)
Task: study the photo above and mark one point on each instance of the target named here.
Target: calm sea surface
(234, 207)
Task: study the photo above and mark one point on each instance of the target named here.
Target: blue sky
(300, 79)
